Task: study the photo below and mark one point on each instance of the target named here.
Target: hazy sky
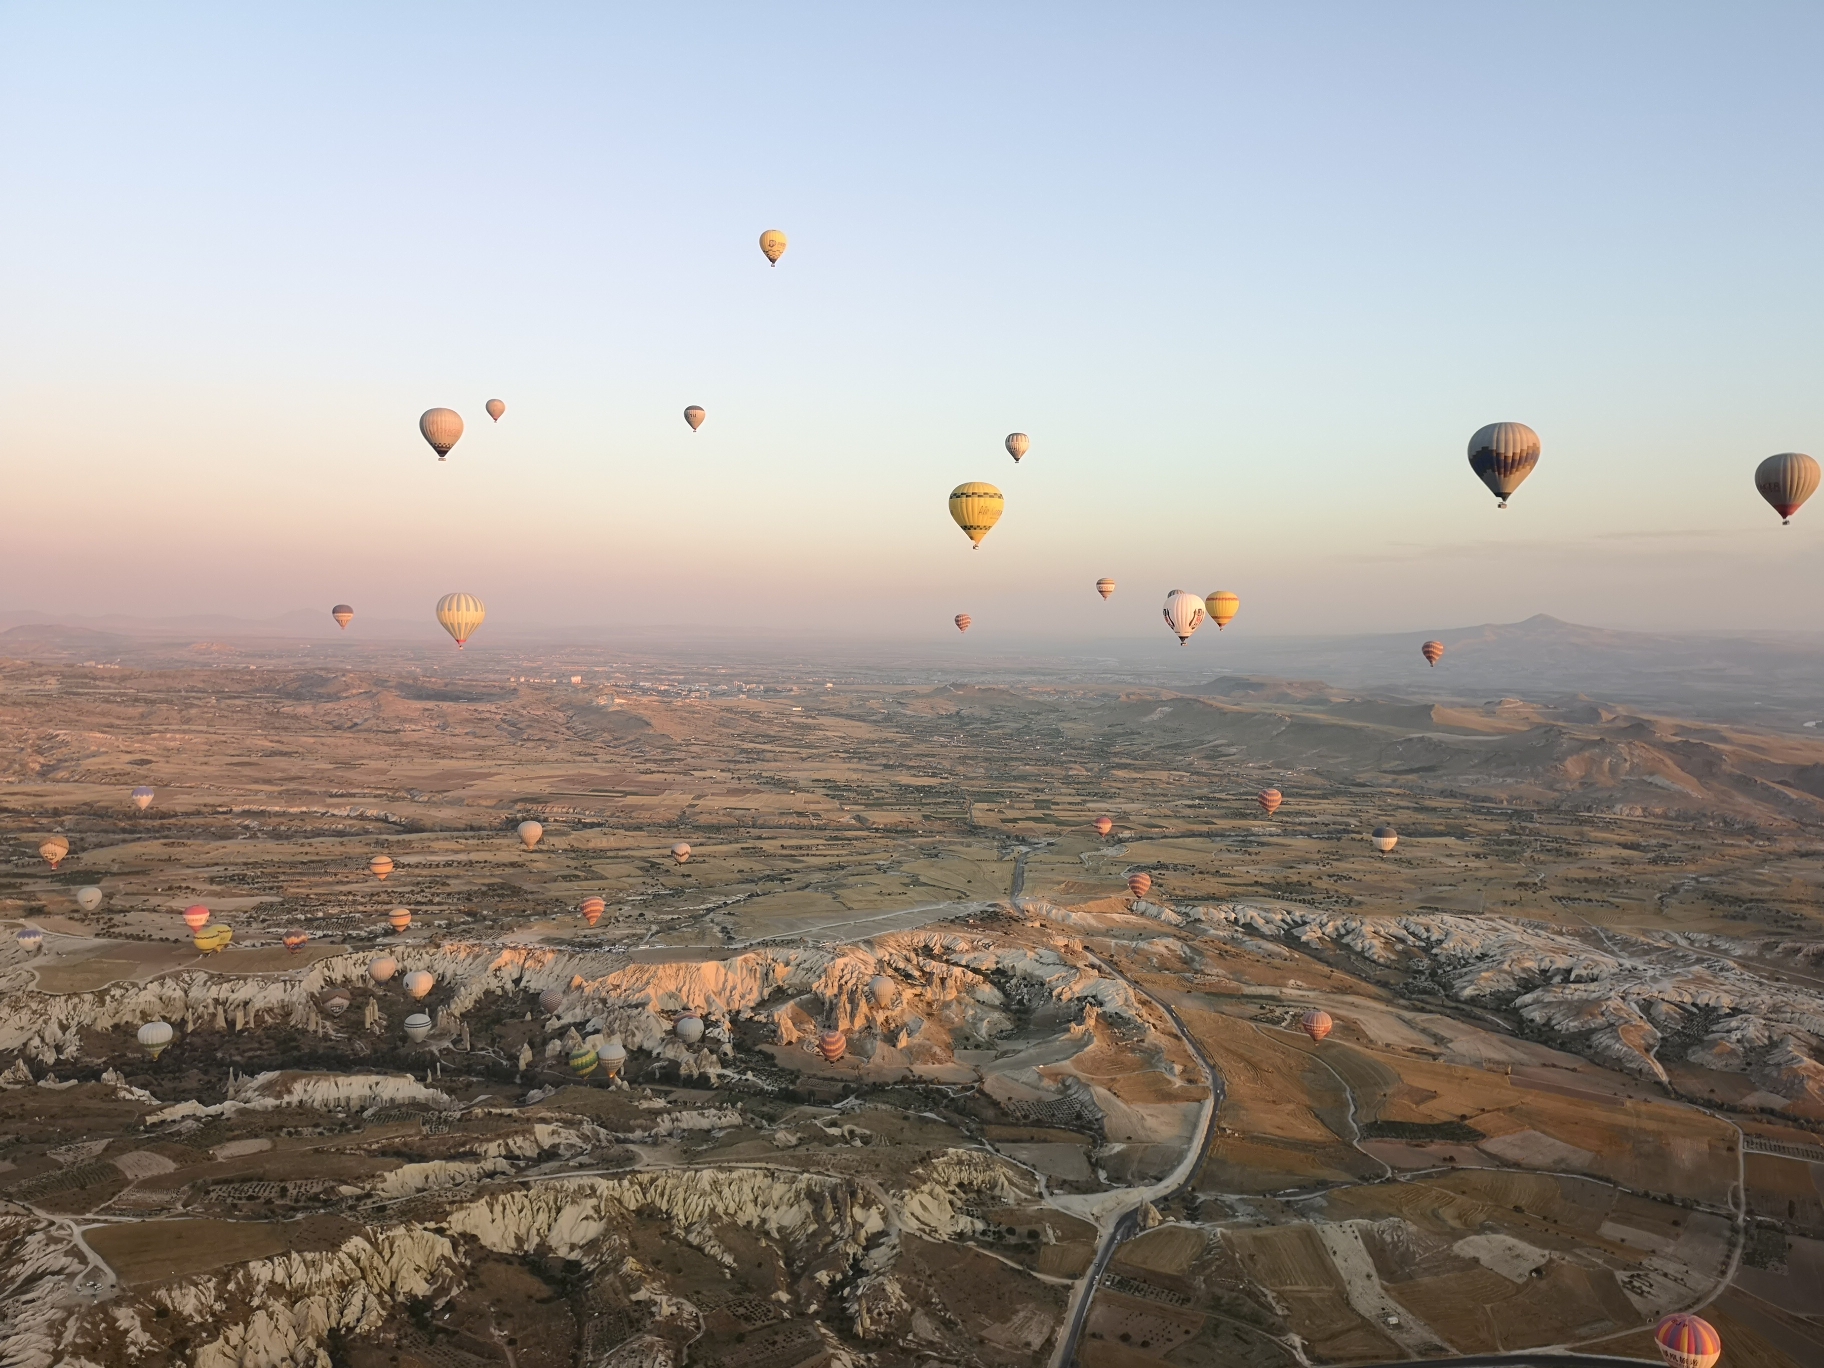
(1249, 278)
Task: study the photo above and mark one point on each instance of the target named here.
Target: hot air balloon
(417, 1026)
(688, 1029)
(694, 415)
(1316, 1024)
(495, 409)
(382, 969)
(882, 990)
(380, 866)
(832, 1045)
(681, 852)
(1105, 586)
(1786, 481)
(583, 1061)
(142, 797)
(550, 1000)
(54, 848)
(1183, 614)
(213, 938)
(442, 428)
(1433, 651)
(1503, 455)
(962, 622)
(592, 910)
(1018, 444)
(1139, 883)
(976, 506)
(336, 1003)
(460, 615)
(31, 940)
(1688, 1341)
(154, 1036)
(88, 899)
(1269, 800)
(343, 615)
(399, 918)
(419, 983)
(772, 245)
(613, 1057)
(196, 918)
(530, 833)
(1222, 607)
(1104, 825)
(1385, 838)
(295, 940)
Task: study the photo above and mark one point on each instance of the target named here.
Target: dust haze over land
(1576, 1078)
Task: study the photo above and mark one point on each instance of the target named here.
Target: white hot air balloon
(419, 983)
(154, 1036)
(530, 833)
(689, 1029)
(612, 1057)
(417, 1026)
(88, 899)
(1184, 614)
(382, 969)
(31, 940)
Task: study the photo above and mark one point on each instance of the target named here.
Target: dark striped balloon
(1433, 651)
(1503, 455)
(1786, 481)
(962, 622)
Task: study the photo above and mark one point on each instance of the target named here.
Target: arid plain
(1574, 1080)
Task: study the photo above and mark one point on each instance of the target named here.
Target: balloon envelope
(772, 243)
(962, 622)
(1139, 884)
(1270, 799)
(53, 849)
(419, 983)
(336, 1003)
(1105, 586)
(550, 1000)
(495, 409)
(1104, 825)
(30, 938)
(1503, 455)
(142, 797)
(380, 866)
(88, 899)
(417, 1026)
(530, 833)
(694, 415)
(343, 615)
(592, 910)
(1222, 607)
(1786, 481)
(442, 428)
(1183, 614)
(154, 1036)
(296, 941)
(976, 506)
(612, 1055)
(213, 939)
(1315, 1024)
(1433, 651)
(460, 615)
(382, 969)
(196, 918)
(583, 1061)
(688, 1029)
(1018, 444)
(1688, 1341)
(680, 852)
(399, 918)
(832, 1045)
(883, 990)
(1385, 838)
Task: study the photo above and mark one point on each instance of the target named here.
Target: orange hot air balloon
(381, 866)
(54, 848)
(1688, 1341)
(694, 415)
(296, 941)
(442, 428)
(343, 615)
(832, 1045)
(495, 409)
(196, 918)
(1269, 800)
(1222, 607)
(399, 918)
(592, 909)
(772, 245)
(1433, 651)
(1105, 586)
(1786, 481)
(1139, 883)
(1316, 1024)
(1104, 826)
(962, 622)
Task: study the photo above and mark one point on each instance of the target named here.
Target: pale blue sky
(1249, 277)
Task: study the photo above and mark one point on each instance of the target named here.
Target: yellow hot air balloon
(495, 409)
(976, 506)
(343, 615)
(694, 415)
(583, 1061)
(1105, 586)
(1018, 444)
(460, 615)
(442, 428)
(213, 939)
(772, 243)
(1222, 607)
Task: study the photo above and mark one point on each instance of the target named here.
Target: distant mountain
(50, 640)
